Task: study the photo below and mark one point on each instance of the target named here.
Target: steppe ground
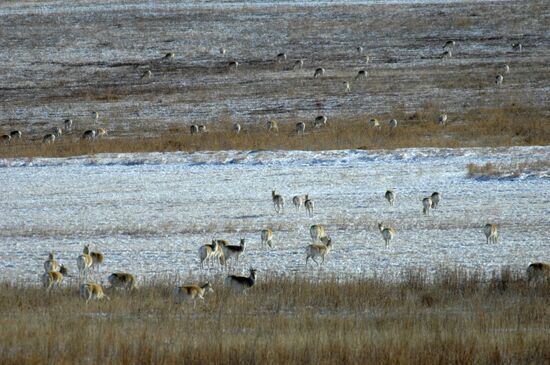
(67, 60)
(64, 60)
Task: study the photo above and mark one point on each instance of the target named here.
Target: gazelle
(147, 75)
(95, 116)
(267, 237)
(436, 198)
(313, 251)
(233, 251)
(387, 233)
(90, 291)
(237, 128)
(89, 135)
(97, 257)
(442, 119)
(233, 65)
(449, 44)
(298, 64)
(57, 132)
(317, 232)
(359, 50)
(298, 201)
(6, 138)
(538, 270)
(100, 132)
(517, 47)
(361, 75)
(392, 123)
(373, 122)
(122, 280)
(241, 283)
(194, 129)
(390, 197)
(278, 202)
(426, 204)
(170, 56)
(320, 121)
(15, 134)
(491, 233)
(499, 79)
(308, 204)
(202, 128)
(48, 139)
(206, 252)
(84, 262)
(272, 126)
(300, 128)
(346, 86)
(506, 69)
(446, 54)
(191, 292)
(319, 72)
(223, 51)
(51, 264)
(54, 278)
(281, 57)
(68, 125)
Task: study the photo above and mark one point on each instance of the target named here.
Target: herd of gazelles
(222, 251)
(92, 134)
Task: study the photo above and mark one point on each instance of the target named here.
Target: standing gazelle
(92, 291)
(272, 126)
(373, 122)
(436, 198)
(97, 257)
(281, 57)
(6, 138)
(84, 262)
(48, 139)
(122, 280)
(308, 204)
(298, 201)
(208, 251)
(298, 64)
(387, 233)
(51, 264)
(267, 237)
(15, 134)
(361, 75)
(319, 72)
(233, 65)
(313, 251)
(320, 121)
(499, 79)
(68, 125)
(191, 292)
(538, 270)
(390, 197)
(241, 283)
(278, 202)
(491, 233)
(442, 119)
(300, 128)
(426, 205)
(232, 251)
(317, 233)
(392, 123)
(52, 279)
(237, 128)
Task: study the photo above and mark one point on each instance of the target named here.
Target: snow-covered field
(149, 213)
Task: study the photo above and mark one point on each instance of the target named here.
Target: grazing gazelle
(170, 56)
(387, 233)
(499, 79)
(278, 202)
(281, 57)
(446, 54)
(390, 197)
(298, 64)
(194, 129)
(308, 203)
(147, 74)
(191, 292)
(313, 251)
(272, 126)
(48, 139)
(89, 135)
(53, 278)
(392, 123)
(206, 252)
(426, 205)
(95, 116)
(449, 44)
(97, 257)
(68, 125)
(51, 264)
(267, 237)
(319, 72)
(122, 280)
(230, 251)
(320, 121)
(442, 119)
(298, 201)
(84, 262)
(517, 46)
(317, 232)
(6, 138)
(300, 127)
(15, 134)
(223, 51)
(100, 132)
(436, 198)
(538, 270)
(373, 122)
(361, 75)
(92, 291)
(359, 50)
(346, 86)
(57, 132)
(237, 128)
(506, 69)
(491, 233)
(241, 283)
(233, 65)
(202, 128)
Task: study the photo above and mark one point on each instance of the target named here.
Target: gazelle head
(380, 227)
(242, 242)
(50, 256)
(253, 273)
(86, 249)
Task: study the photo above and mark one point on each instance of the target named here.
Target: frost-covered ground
(149, 213)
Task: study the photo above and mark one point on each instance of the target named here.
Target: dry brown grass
(492, 170)
(488, 127)
(460, 318)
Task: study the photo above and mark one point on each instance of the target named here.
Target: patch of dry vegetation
(459, 317)
(511, 126)
(512, 170)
